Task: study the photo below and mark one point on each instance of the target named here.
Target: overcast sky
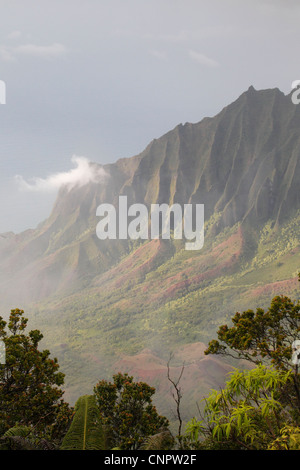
(101, 78)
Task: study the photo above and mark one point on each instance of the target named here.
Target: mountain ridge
(184, 166)
(101, 301)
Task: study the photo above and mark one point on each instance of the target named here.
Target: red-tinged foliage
(261, 335)
(126, 409)
(264, 337)
(30, 383)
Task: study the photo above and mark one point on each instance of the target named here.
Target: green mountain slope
(117, 304)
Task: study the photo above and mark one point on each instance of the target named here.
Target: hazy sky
(101, 78)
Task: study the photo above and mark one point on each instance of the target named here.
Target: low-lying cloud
(10, 53)
(54, 50)
(202, 59)
(84, 173)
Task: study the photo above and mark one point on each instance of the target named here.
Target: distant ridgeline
(101, 302)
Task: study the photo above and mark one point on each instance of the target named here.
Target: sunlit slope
(161, 297)
(98, 302)
(242, 164)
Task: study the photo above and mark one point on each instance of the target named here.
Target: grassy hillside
(161, 299)
(105, 305)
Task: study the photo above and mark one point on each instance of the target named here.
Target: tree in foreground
(30, 383)
(248, 414)
(127, 411)
(265, 337)
(261, 336)
(259, 408)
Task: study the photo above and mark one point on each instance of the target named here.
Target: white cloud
(202, 59)
(84, 173)
(55, 50)
(8, 53)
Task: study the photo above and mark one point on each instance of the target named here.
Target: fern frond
(21, 438)
(86, 431)
(22, 431)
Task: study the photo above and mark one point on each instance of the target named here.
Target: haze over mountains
(106, 305)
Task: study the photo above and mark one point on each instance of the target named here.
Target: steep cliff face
(243, 165)
(100, 301)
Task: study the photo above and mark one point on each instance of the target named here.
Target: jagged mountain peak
(243, 165)
(98, 299)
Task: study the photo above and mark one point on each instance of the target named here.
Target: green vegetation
(86, 431)
(261, 335)
(127, 411)
(24, 438)
(33, 415)
(160, 296)
(258, 409)
(252, 412)
(30, 383)
(99, 302)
